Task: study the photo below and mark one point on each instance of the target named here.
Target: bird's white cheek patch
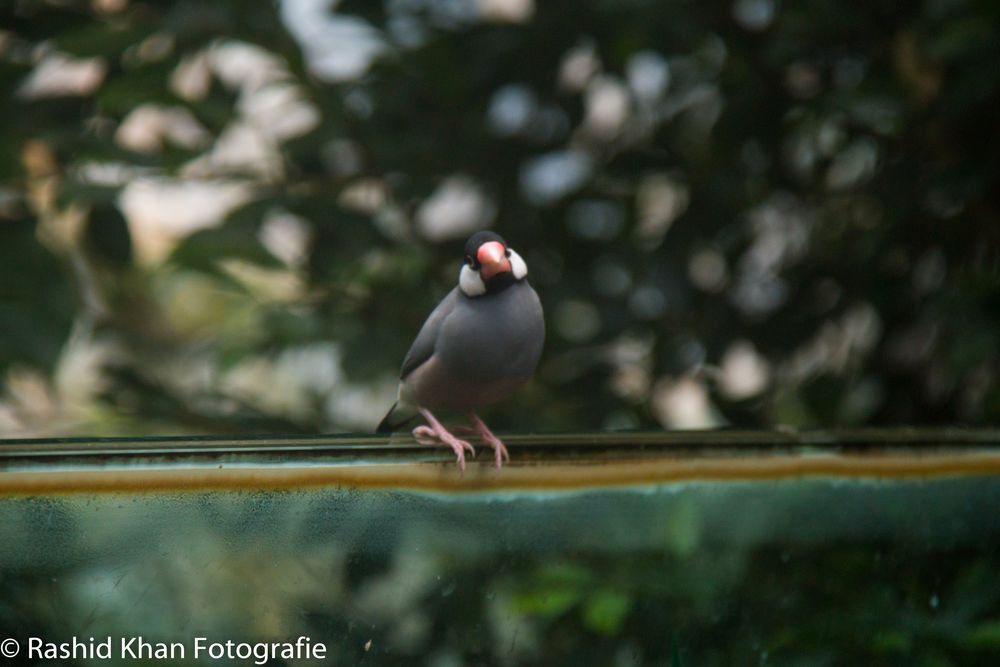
(517, 265)
(470, 282)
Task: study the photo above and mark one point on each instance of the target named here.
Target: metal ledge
(540, 462)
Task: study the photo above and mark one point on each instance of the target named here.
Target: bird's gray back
(424, 344)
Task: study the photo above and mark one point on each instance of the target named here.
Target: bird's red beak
(492, 256)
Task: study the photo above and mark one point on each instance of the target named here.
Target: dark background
(233, 217)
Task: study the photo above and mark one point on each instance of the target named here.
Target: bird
(481, 342)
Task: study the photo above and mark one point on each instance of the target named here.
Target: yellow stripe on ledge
(480, 476)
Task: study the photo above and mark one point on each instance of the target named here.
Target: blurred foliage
(235, 216)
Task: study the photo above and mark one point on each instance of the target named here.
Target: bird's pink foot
(436, 432)
(483, 431)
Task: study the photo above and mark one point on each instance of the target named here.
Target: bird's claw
(500, 452)
(427, 435)
(480, 428)
(499, 449)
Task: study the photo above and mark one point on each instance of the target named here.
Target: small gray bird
(480, 344)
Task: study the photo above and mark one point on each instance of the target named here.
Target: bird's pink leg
(436, 431)
(499, 450)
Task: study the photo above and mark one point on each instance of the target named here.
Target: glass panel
(708, 549)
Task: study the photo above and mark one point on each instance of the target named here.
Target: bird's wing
(423, 346)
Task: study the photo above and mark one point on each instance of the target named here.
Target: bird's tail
(397, 417)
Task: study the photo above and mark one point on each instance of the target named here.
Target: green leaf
(547, 604)
(986, 635)
(37, 300)
(605, 612)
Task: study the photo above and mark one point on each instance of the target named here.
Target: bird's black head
(477, 241)
(490, 265)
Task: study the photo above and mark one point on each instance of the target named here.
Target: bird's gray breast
(496, 337)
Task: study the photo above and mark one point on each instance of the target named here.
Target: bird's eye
(507, 252)
(468, 260)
